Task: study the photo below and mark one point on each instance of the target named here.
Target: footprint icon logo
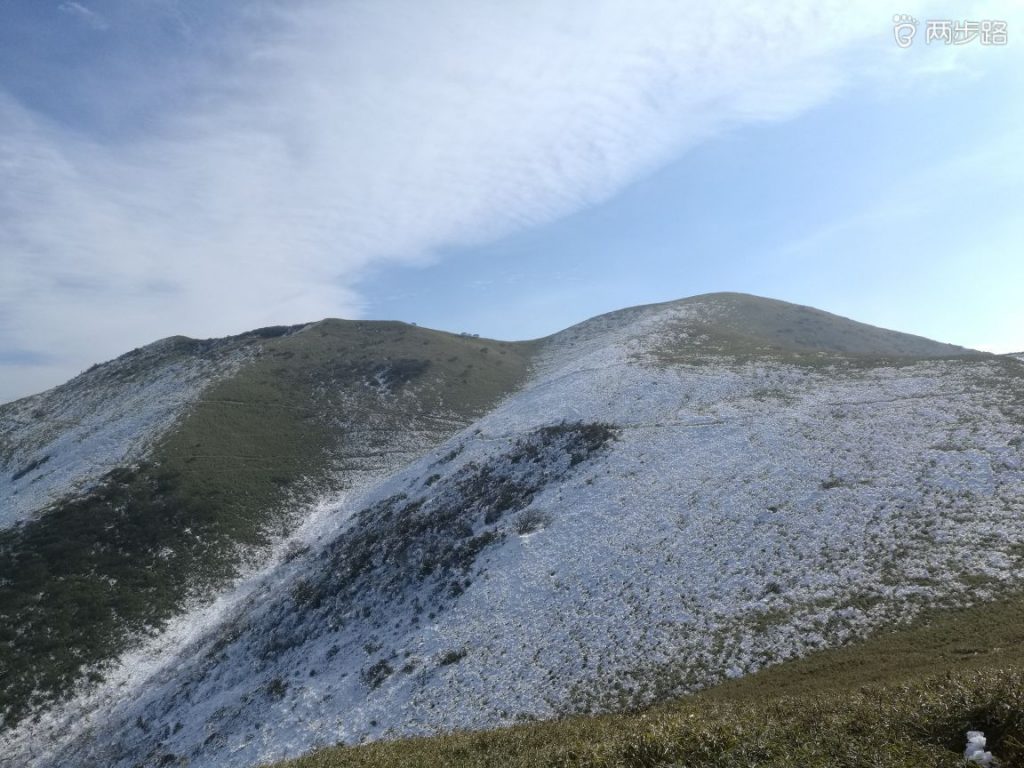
(904, 27)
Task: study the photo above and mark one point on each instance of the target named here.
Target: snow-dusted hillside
(59, 443)
(276, 419)
(645, 516)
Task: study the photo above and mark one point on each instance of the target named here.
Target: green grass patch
(751, 326)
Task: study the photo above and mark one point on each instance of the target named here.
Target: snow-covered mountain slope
(61, 442)
(667, 502)
(172, 472)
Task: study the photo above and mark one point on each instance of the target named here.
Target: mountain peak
(728, 323)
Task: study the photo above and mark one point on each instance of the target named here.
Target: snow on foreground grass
(975, 751)
(60, 443)
(737, 515)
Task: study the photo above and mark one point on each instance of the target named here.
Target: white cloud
(84, 14)
(349, 135)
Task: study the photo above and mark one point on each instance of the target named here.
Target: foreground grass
(899, 726)
(904, 699)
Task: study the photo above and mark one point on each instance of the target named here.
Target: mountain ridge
(784, 326)
(640, 425)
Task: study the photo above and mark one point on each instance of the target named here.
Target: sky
(184, 167)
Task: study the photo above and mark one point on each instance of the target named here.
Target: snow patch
(975, 751)
(61, 442)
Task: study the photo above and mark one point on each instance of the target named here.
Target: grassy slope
(312, 403)
(313, 407)
(903, 698)
(793, 328)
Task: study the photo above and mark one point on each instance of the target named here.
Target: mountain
(149, 482)
(364, 530)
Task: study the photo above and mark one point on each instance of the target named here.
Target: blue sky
(174, 167)
(872, 206)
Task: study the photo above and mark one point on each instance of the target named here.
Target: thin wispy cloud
(85, 15)
(323, 139)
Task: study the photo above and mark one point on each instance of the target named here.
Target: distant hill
(738, 323)
(407, 530)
